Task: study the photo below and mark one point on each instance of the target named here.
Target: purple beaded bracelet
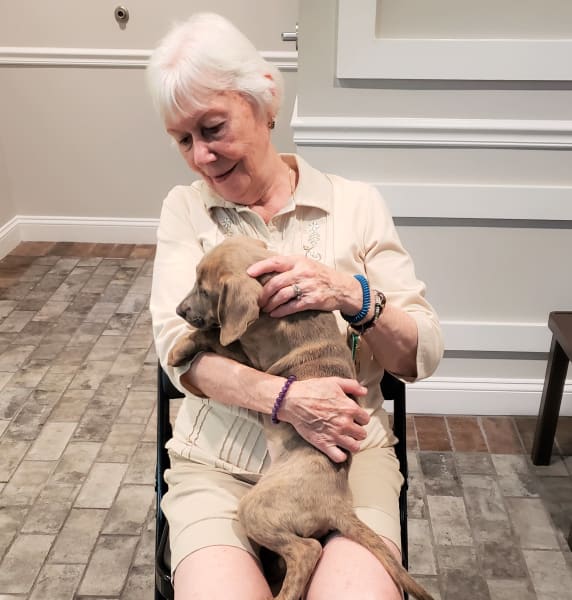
(280, 398)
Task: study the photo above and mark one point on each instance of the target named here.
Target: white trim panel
(470, 201)
(423, 132)
(451, 396)
(108, 57)
(362, 55)
(9, 236)
(88, 229)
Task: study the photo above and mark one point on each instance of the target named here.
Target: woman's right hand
(321, 412)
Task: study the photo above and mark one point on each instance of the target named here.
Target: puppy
(303, 495)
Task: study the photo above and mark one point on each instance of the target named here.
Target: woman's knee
(219, 573)
(348, 570)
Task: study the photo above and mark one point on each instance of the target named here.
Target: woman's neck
(280, 189)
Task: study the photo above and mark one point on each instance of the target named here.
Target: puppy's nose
(181, 311)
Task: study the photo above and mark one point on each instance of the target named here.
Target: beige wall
(6, 206)
(458, 162)
(83, 141)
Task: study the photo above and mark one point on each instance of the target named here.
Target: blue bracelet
(280, 398)
(365, 303)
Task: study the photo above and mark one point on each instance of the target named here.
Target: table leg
(550, 404)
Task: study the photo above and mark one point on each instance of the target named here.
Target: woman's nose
(202, 153)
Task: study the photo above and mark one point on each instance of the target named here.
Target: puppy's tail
(352, 528)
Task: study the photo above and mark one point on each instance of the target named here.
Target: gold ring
(297, 291)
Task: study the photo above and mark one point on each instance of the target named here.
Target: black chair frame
(392, 389)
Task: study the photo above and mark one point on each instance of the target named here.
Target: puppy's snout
(197, 321)
(181, 312)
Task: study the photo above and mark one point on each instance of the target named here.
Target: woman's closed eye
(212, 131)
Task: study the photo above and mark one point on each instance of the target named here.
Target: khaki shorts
(202, 501)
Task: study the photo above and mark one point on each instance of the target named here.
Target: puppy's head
(224, 295)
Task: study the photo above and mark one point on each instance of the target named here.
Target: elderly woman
(338, 251)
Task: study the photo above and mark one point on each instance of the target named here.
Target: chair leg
(550, 404)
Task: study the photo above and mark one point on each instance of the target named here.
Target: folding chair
(392, 389)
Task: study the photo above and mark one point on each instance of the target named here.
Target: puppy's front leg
(189, 345)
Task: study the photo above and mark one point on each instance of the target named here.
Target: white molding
(490, 336)
(108, 57)
(474, 201)
(422, 132)
(9, 236)
(362, 55)
(453, 395)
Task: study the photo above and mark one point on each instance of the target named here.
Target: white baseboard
(89, 229)
(457, 396)
(9, 236)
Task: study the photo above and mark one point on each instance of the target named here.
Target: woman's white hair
(207, 54)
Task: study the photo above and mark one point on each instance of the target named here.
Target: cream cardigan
(342, 223)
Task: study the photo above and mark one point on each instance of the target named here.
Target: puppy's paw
(183, 351)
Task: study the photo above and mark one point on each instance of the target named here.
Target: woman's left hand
(301, 283)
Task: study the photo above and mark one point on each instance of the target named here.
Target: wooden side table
(560, 323)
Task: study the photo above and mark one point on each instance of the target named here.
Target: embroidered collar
(314, 189)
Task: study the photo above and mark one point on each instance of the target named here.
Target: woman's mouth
(223, 176)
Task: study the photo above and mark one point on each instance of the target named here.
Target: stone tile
(11, 401)
(102, 312)
(128, 363)
(54, 381)
(470, 462)
(556, 468)
(11, 453)
(485, 508)
(440, 474)
(30, 375)
(76, 462)
(86, 335)
(78, 537)
(550, 575)
(121, 443)
(11, 519)
(141, 468)
(416, 497)
(449, 521)
(421, 554)
(4, 379)
(466, 434)
(27, 482)
(107, 347)
(129, 511)
(51, 310)
(51, 441)
(90, 374)
(430, 583)
(501, 434)
(57, 582)
(515, 477)
(457, 558)
(96, 423)
(532, 523)
(556, 494)
(432, 433)
(16, 321)
(6, 307)
(511, 589)
(133, 303)
(139, 583)
(72, 405)
(109, 566)
(137, 407)
(502, 559)
(101, 485)
(145, 554)
(23, 562)
(29, 421)
(3, 426)
(50, 509)
(14, 357)
(457, 584)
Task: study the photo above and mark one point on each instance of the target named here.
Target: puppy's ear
(237, 307)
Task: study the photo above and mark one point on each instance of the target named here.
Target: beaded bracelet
(280, 398)
(365, 303)
(380, 301)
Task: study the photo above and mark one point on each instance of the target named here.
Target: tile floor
(77, 452)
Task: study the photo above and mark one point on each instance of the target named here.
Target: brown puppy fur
(303, 495)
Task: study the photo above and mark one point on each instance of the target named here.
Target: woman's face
(227, 144)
